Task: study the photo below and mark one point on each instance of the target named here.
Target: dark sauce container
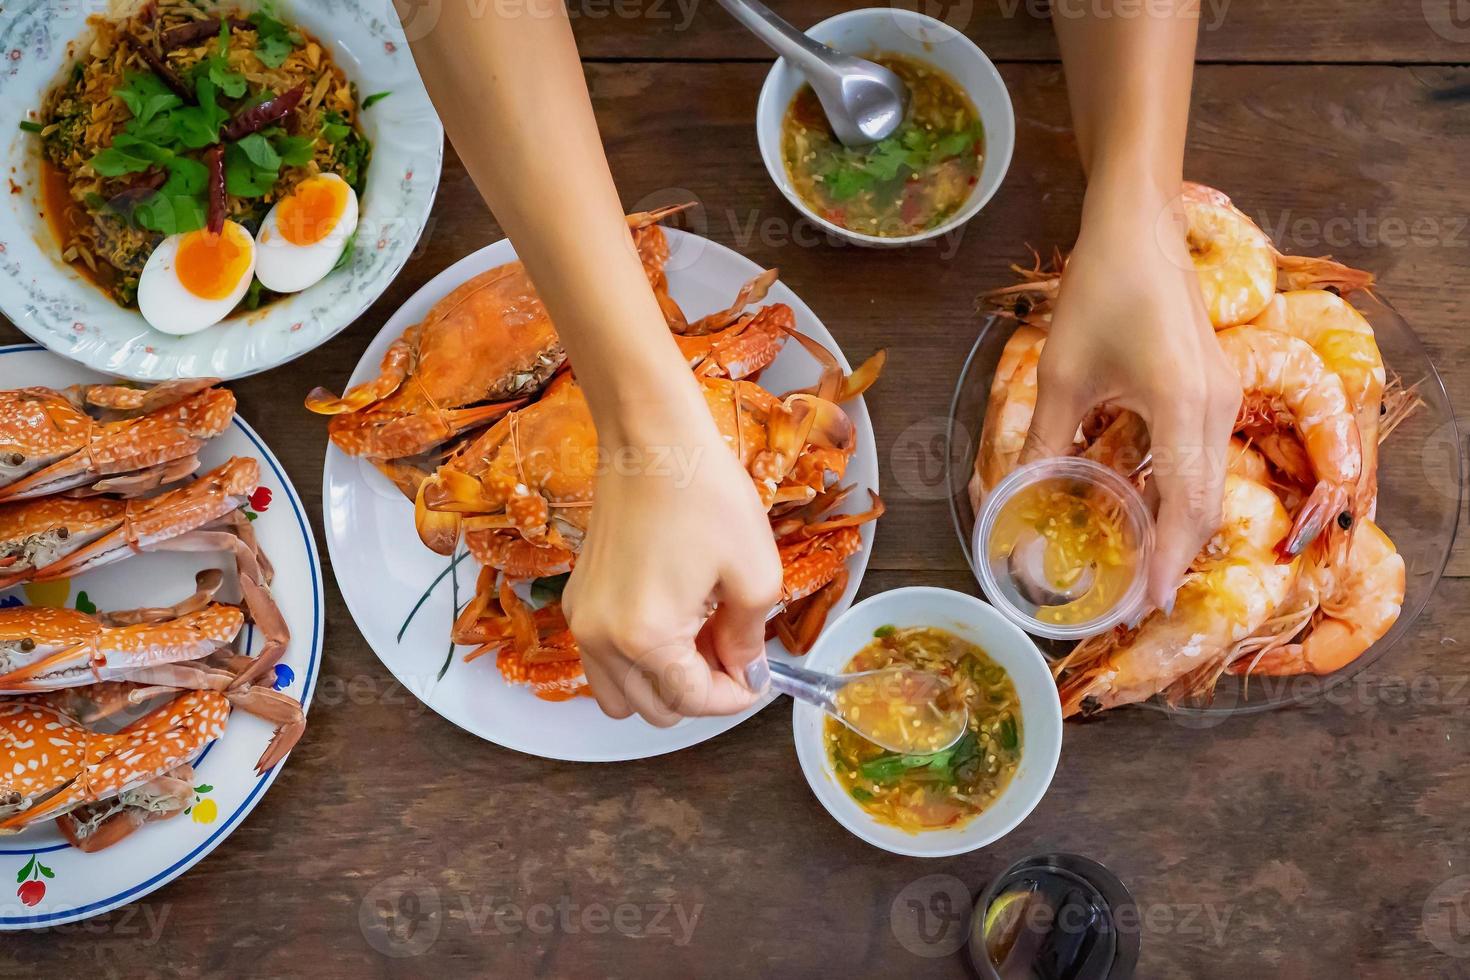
(1055, 917)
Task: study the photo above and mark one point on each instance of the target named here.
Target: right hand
(673, 536)
(1130, 329)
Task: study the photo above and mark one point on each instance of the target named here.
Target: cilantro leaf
(198, 126)
(113, 162)
(952, 145)
(334, 127)
(145, 95)
(844, 182)
(294, 151)
(274, 41)
(886, 159)
(227, 80)
(259, 151)
(242, 177)
(171, 214)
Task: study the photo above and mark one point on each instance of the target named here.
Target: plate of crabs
(454, 502)
(160, 632)
(1380, 459)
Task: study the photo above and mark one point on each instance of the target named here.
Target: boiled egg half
(303, 235)
(194, 279)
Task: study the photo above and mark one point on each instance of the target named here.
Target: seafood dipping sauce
(916, 179)
(944, 789)
(1090, 522)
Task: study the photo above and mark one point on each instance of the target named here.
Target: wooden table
(1317, 841)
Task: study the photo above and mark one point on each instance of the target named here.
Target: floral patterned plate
(55, 883)
(404, 596)
(51, 301)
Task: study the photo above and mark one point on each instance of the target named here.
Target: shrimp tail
(1326, 507)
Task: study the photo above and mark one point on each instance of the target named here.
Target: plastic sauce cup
(1138, 533)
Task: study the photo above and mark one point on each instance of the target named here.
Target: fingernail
(1168, 605)
(758, 675)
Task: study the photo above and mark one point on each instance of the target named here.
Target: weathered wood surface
(1398, 32)
(1302, 843)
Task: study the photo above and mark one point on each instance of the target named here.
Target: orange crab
(143, 438)
(480, 352)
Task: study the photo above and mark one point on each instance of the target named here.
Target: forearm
(510, 91)
(1128, 78)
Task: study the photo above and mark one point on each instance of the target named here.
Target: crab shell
(38, 426)
(488, 342)
(56, 537)
(175, 431)
(45, 649)
(57, 764)
(532, 474)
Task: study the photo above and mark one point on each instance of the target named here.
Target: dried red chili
(160, 68)
(260, 116)
(188, 35)
(214, 158)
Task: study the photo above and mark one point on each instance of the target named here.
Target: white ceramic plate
(74, 885)
(55, 305)
(1006, 644)
(403, 596)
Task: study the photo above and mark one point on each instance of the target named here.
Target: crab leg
(147, 524)
(74, 766)
(116, 650)
(176, 431)
(142, 400)
(392, 372)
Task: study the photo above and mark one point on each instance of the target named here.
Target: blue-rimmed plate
(43, 880)
(55, 305)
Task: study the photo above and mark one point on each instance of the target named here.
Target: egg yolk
(312, 210)
(210, 266)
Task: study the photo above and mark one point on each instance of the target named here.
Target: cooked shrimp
(1238, 264)
(1284, 379)
(1233, 257)
(1355, 604)
(1008, 412)
(1344, 340)
(1234, 585)
(1238, 267)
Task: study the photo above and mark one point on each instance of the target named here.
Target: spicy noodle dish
(200, 159)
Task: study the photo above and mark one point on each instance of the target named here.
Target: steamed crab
(489, 346)
(102, 438)
(520, 496)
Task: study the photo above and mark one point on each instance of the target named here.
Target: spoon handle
(803, 685)
(807, 54)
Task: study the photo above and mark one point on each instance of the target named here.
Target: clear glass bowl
(1420, 486)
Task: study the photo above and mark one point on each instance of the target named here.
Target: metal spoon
(1026, 567)
(864, 102)
(822, 690)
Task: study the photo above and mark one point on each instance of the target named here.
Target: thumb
(1060, 406)
(736, 633)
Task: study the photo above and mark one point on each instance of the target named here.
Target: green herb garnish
(375, 98)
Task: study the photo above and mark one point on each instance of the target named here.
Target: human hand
(673, 535)
(1129, 329)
